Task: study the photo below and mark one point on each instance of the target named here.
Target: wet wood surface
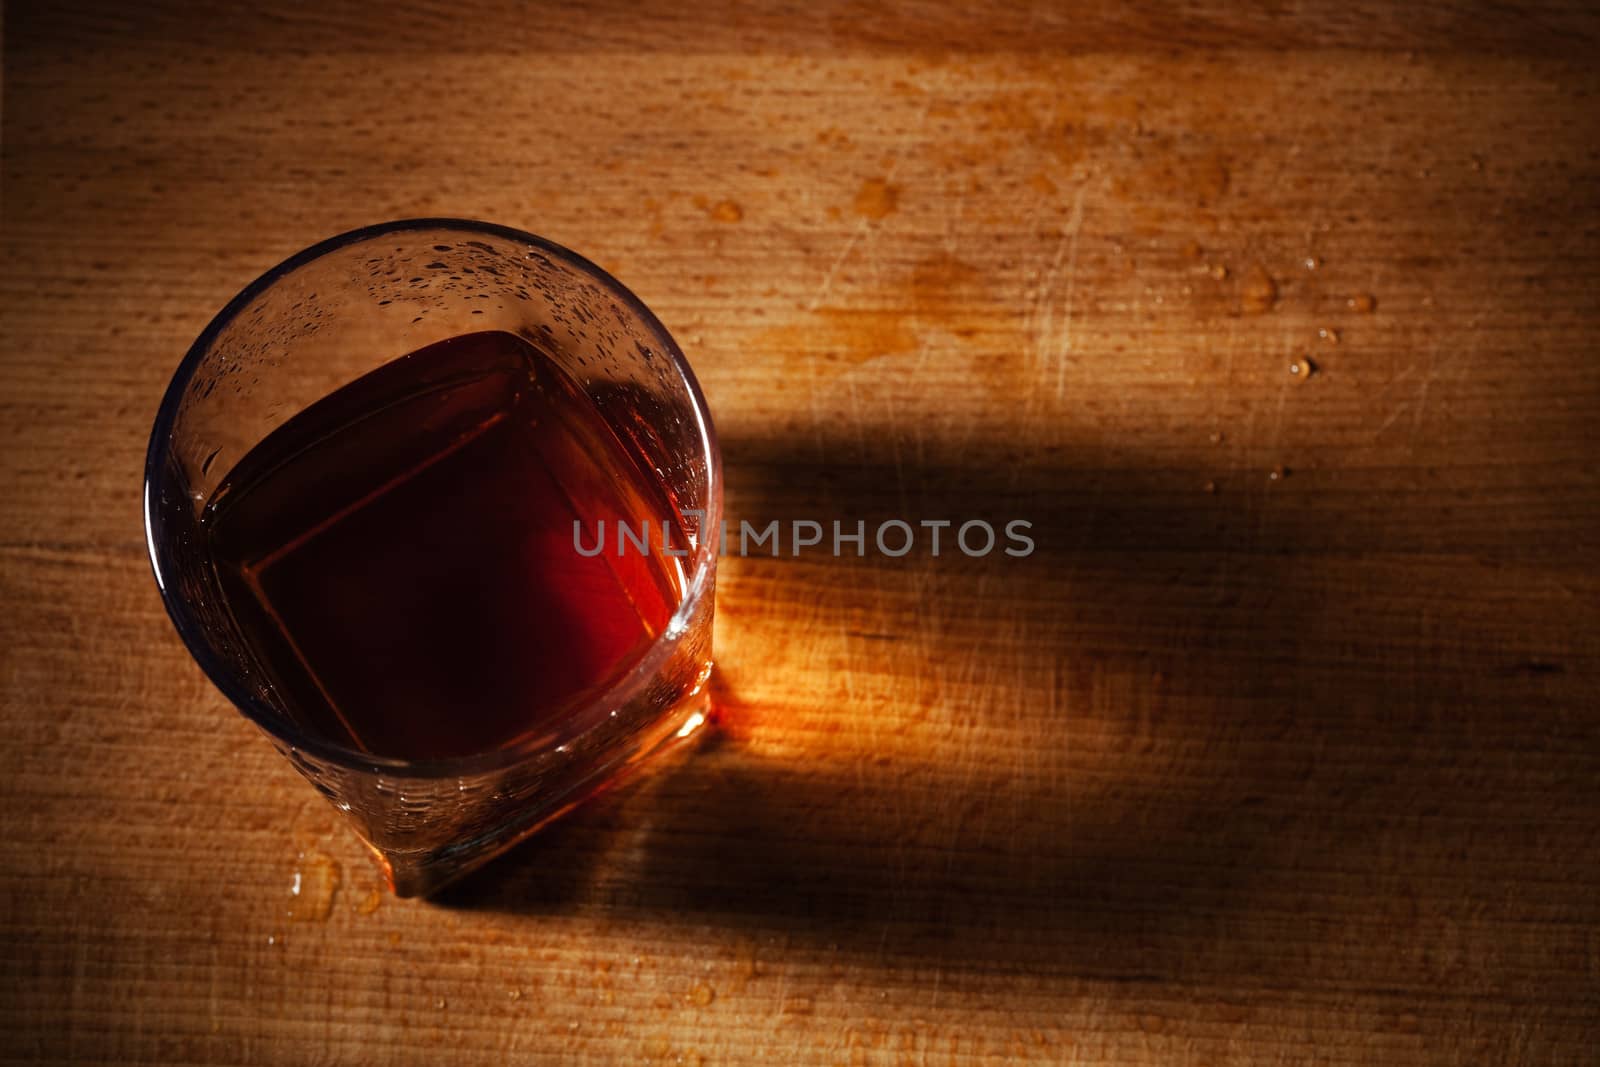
(1278, 326)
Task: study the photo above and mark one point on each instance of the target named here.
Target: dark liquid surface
(400, 555)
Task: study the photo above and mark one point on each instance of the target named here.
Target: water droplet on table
(312, 891)
(1258, 292)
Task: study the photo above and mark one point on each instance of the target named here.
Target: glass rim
(285, 730)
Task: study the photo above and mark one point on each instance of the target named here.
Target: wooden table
(1284, 746)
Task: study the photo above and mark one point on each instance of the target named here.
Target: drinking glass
(324, 318)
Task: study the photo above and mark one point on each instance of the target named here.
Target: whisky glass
(324, 318)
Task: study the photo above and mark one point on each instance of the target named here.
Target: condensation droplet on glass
(1328, 334)
(1302, 368)
(1363, 303)
(1313, 262)
(1278, 473)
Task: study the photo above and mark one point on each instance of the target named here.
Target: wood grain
(1284, 746)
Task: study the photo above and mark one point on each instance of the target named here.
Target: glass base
(422, 873)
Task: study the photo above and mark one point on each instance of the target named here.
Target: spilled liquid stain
(721, 211)
(1208, 179)
(1028, 123)
(834, 137)
(833, 338)
(746, 967)
(1258, 292)
(653, 212)
(942, 300)
(316, 882)
(945, 291)
(1172, 180)
(1007, 112)
(877, 199)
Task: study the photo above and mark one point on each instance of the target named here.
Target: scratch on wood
(838, 261)
(1393, 415)
(1042, 297)
(1422, 403)
(1074, 228)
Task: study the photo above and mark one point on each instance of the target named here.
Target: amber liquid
(400, 556)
